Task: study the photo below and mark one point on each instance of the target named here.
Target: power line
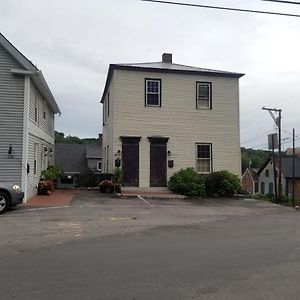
(281, 1)
(223, 8)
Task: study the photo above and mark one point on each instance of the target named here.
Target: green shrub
(52, 173)
(222, 183)
(117, 177)
(187, 182)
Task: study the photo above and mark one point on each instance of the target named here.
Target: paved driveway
(107, 248)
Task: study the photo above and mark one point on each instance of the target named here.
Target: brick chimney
(167, 58)
(100, 138)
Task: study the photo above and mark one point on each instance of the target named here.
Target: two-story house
(161, 117)
(27, 109)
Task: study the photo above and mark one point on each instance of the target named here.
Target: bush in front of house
(187, 182)
(222, 183)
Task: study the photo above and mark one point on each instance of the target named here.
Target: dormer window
(153, 92)
(203, 95)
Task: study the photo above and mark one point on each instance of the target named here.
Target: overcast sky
(73, 42)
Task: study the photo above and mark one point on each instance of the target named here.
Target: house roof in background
(93, 151)
(35, 73)
(253, 173)
(287, 166)
(70, 157)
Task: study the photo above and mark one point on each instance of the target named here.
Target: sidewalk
(57, 198)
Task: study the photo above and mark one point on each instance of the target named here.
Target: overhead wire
(281, 1)
(224, 8)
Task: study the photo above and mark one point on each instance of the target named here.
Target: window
(44, 110)
(203, 158)
(203, 95)
(267, 173)
(36, 109)
(262, 187)
(153, 92)
(35, 159)
(255, 187)
(99, 165)
(271, 188)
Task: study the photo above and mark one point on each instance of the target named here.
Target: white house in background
(27, 109)
(161, 117)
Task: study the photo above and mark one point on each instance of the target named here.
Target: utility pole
(278, 124)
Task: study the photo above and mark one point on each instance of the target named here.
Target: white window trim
(209, 84)
(158, 93)
(210, 159)
(99, 162)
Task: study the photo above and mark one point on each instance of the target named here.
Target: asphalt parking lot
(100, 247)
(92, 214)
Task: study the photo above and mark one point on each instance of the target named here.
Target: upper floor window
(44, 110)
(203, 158)
(203, 95)
(36, 110)
(267, 173)
(153, 92)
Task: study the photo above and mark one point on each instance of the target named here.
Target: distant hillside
(69, 139)
(252, 157)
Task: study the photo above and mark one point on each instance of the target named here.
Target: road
(103, 248)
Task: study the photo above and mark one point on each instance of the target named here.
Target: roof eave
(39, 79)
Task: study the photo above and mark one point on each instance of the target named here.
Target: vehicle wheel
(4, 202)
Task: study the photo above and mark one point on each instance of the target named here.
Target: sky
(73, 43)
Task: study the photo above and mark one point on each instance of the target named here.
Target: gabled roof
(166, 67)
(286, 166)
(93, 151)
(70, 157)
(263, 166)
(32, 70)
(253, 173)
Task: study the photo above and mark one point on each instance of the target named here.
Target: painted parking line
(43, 208)
(215, 203)
(145, 200)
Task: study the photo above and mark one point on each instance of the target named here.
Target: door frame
(132, 140)
(162, 141)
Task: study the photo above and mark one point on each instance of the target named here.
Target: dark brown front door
(158, 162)
(130, 161)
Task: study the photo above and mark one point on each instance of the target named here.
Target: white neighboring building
(27, 109)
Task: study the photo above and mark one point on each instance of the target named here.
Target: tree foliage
(69, 139)
(253, 158)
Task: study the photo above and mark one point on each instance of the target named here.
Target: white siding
(36, 98)
(33, 179)
(11, 119)
(177, 118)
